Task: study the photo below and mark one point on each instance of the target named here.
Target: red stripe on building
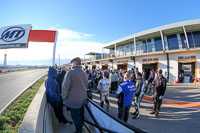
(41, 36)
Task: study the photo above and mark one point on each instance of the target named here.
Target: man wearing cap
(74, 93)
(159, 91)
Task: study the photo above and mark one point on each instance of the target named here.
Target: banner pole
(54, 49)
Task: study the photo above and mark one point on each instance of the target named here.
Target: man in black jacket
(60, 78)
(159, 91)
(139, 93)
(133, 76)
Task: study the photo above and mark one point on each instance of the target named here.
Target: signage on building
(103, 62)
(121, 61)
(14, 36)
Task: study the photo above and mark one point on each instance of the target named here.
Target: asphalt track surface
(172, 119)
(11, 84)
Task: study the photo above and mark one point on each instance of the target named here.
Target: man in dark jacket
(89, 89)
(139, 92)
(159, 91)
(53, 95)
(133, 76)
(74, 93)
(60, 78)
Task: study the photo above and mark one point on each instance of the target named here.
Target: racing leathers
(139, 92)
(159, 91)
(104, 87)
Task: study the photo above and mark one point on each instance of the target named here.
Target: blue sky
(102, 20)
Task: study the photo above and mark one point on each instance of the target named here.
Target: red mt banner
(42, 36)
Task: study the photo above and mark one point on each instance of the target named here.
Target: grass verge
(11, 119)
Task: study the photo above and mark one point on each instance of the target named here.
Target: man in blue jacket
(125, 94)
(54, 96)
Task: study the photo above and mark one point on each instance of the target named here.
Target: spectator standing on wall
(104, 87)
(125, 94)
(74, 93)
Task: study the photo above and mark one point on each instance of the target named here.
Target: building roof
(190, 24)
(93, 53)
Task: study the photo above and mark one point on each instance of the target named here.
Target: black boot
(153, 112)
(156, 114)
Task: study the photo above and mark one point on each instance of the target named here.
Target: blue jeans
(78, 118)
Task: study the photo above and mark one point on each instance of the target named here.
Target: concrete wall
(33, 119)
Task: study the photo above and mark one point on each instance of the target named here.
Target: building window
(144, 60)
(172, 42)
(193, 57)
(128, 49)
(150, 59)
(190, 39)
(112, 51)
(183, 40)
(196, 36)
(144, 47)
(139, 48)
(158, 44)
(120, 51)
(149, 46)
(186, 57)
(155, 59)
(180, 57)
(132, 48)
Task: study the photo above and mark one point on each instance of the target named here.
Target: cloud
(70, 44)
(71, 49)
(67, 34)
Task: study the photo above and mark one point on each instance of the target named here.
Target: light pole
(5, 60)
(59, 59)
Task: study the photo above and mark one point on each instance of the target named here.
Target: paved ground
(171, 119)
(11, 84)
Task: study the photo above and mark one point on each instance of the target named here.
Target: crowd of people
(71, 88)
